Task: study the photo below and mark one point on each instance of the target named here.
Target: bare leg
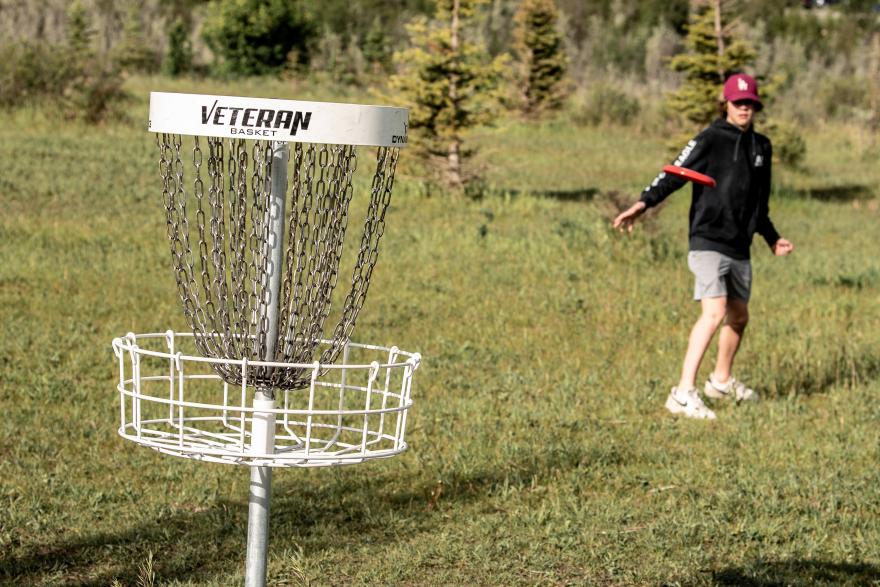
(730, 337)
(714, 310)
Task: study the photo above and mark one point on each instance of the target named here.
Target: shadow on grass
(349, 513)
(797, 572)
(808, 377)
(573, 195)
(839, 193)
(99, 558)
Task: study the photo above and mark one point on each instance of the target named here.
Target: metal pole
(263, 425)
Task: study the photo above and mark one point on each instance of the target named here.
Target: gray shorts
(717, 275)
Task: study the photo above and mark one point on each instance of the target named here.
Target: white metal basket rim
(349, 455)
(154, 437)
(278, 411)
(323, 123)
(129, 343)
(292, 462)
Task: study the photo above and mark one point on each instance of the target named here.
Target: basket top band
(278, 120)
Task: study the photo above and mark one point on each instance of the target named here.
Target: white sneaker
(689, 404)
(733, 389)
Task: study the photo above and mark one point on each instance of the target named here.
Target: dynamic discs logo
(261, 122)
(401, 139)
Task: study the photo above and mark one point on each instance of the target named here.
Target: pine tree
(377, 47)
(874, 87)
(133, 52)
(449, 84)
(255, 37)
(80, 34)
(712, 52)
(178, 59)
(92, 84)
(541, 55)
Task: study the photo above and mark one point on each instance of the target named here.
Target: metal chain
(226, 305)
(374, 228)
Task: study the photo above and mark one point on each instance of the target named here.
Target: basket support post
(260, 493)
(263, 423)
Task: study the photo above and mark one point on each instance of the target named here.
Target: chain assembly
(218, 232)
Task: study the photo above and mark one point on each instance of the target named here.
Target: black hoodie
(724, 218)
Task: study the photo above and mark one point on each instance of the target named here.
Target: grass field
(540, 450)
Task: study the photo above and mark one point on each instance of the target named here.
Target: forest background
(818, 63)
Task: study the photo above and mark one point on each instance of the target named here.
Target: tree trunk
(453, 172)
(874, 90)
(719, 36)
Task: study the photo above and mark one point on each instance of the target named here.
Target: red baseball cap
(740, 86)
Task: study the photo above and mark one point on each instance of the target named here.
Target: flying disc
(690, 175)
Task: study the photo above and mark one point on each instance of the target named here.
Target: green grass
(540, 450)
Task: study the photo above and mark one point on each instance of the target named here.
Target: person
(723, 220)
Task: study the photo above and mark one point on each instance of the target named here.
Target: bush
(39, 73)
(789, 146)
(93, 93)
(253, 37)
(844, 96)
(604, 103)
(31, 73)
(332, 58)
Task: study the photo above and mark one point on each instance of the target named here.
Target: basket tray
(175, 403)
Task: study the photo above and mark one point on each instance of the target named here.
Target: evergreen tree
(377, 46)
(450, 85)
(133, 52)
(178, 59)
(712, 52)
(541, 55)
(253, 37)
(92, 84)
(874, 87)
(80, 34)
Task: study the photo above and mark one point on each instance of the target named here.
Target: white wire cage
(174, 402)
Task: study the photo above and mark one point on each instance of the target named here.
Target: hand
(626, 219)
(782, 247)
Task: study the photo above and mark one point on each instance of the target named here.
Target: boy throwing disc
(723, 220)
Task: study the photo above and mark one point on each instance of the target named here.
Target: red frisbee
(690, 175)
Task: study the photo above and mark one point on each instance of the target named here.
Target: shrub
(70, 76)
(332, 58)
(789, 146)
(30, 73)
(604, 103)
(93, 92)
(843, 96)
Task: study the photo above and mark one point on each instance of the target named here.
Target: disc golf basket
(257, 197)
